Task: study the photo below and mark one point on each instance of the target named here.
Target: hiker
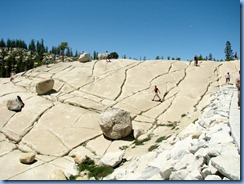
(227, 78)
(235, 55)
(238, 85)
(107, 57)
(47, 62)
(195, 61)
(156, 91)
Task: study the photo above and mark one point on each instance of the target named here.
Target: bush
(94, 170)
(136, 142)
(153, 147)
(114, 55)
(160, 139)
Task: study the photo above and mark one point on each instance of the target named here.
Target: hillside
(64, 122)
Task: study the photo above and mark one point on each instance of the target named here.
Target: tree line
(16, 56)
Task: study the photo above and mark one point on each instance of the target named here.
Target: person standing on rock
(156, 91)
(227, 78)
(195, 61)
(238, 85)
(107, 56)
(47, 62)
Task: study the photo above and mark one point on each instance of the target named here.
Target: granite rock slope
(64, 122)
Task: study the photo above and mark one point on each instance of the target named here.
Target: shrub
(160, 139)
(136, 142)
(183, 115)
(94, 170)
(153, 147)
(123, 147)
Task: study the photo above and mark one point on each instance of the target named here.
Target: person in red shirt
(156, 91)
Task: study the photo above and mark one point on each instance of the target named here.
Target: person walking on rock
(156, 91)
(238, 85)
(227, 78)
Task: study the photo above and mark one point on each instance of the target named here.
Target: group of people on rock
(227, 78)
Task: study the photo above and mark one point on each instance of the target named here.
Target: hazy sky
(135, 28)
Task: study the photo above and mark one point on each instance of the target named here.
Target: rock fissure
(124, 81)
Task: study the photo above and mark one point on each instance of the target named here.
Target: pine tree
(32, 45)
(228, 52)
(210, 57)
(2, 43)
(62, 47)
(68, 53)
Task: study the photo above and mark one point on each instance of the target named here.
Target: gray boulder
(44, 86)
(115, 123)
(102, 56)
(15, 104)
(85, 57)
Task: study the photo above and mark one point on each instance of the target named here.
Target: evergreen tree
(76, 53)
(95, 55)
(210, 57)
(228, 52)
(9, 43)
(68, 53)
(114, 55)
(2, 43)
(40, 48)
(200, 57)
(62, 47)
(32, 46)
(157, 58)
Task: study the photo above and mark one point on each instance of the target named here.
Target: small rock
(57, 175)
(112, 159)
(27, 158)
(213, 177)
(82, 178)
(138, 132)
(79, 159)
(143, 137)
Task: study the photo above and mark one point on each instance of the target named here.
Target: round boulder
(27, 158)
(115, 123)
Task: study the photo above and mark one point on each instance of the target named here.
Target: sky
(134, 28)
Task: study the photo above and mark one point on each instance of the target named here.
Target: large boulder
(44, 86)
(115, 123)
(84, 57)
(15, 104)
(102, 56)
